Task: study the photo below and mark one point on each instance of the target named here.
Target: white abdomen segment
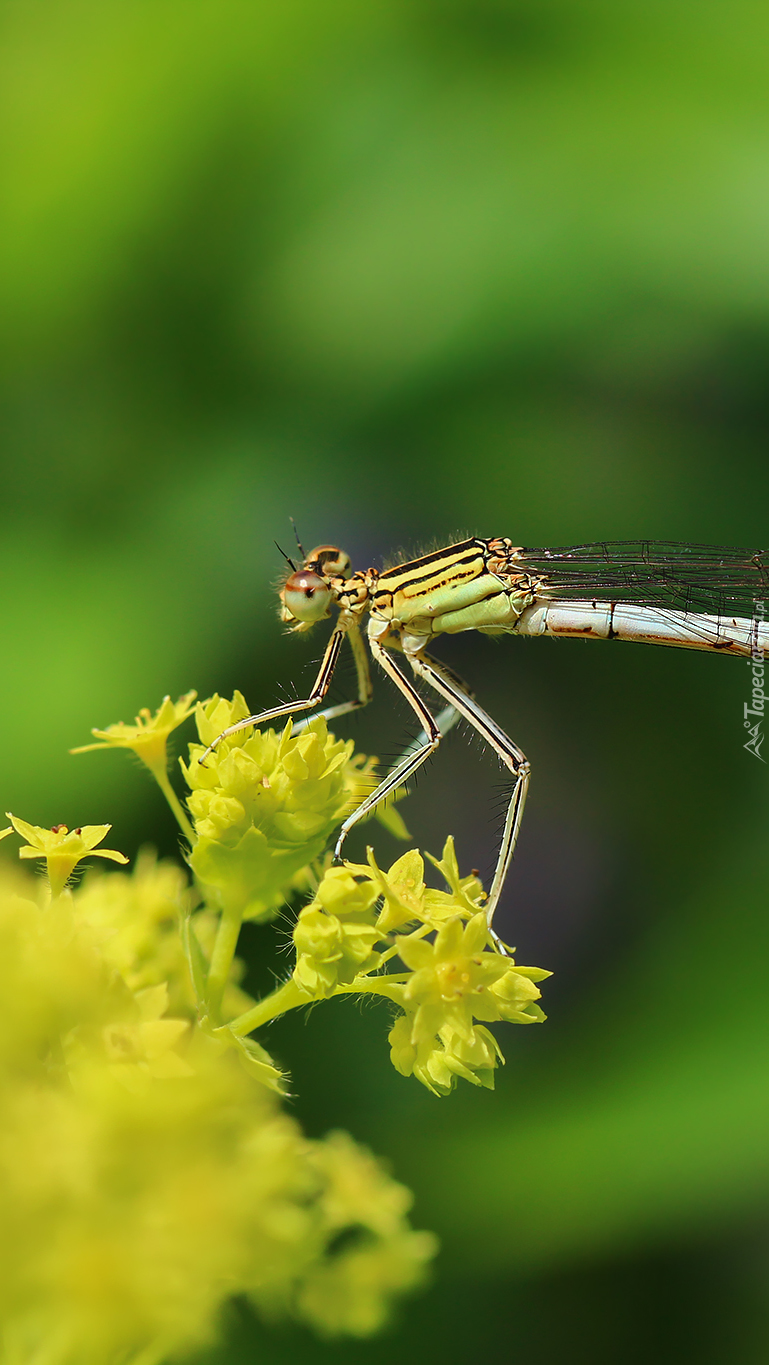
(648, 625)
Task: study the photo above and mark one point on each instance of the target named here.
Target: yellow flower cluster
(144, 1176)
(264, 804)
(335, 935)
(454, 981)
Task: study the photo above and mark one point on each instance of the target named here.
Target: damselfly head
(329, 561)
(306, 598)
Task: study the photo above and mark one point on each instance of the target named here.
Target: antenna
(285, 556)
(298, 541)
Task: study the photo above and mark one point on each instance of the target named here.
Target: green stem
(221, 959)
(285, 997)
(289, 997)
(374, 985)
(161, 777)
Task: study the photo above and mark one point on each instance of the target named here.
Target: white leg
(363, 677)
(414, 756)
(319, 690)
(445, 684)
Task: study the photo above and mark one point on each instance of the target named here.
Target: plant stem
(221, 958)
(161, 777)
(289, 996)
(285, 997)
(374, 985)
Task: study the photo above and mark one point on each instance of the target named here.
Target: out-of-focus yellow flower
(140, 1184)
(146, 1047)
(349, 1291)
(63, 849)
(135, 917)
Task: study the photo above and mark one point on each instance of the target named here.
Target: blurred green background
(405, 269)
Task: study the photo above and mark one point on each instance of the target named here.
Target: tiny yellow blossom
(451, 976)
(148, 738)
(148, 735)
(407, 899)
(439, 1061)
(63, 849)
(456, 981)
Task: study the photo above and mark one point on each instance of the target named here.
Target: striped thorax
(473, 585)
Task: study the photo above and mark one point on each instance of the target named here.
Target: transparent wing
(709, 579)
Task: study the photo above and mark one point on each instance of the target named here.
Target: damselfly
(657, 592)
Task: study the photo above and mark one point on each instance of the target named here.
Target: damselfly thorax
(656, 592)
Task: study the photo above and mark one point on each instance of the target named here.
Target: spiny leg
(414, 756)
(446, 719)
(445, 684)
(363, 679)
(319, 690)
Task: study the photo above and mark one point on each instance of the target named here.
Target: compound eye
(306, 596)
(331, 560)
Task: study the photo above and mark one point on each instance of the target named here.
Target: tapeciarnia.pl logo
(753, 711)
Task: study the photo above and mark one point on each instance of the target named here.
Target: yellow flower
(451, 977)
(136, 915)
(148, 738)
(348, 1291)
(63, 849)
(137, 1192)
(149, 735)
(406, 898)
(438, 1061)
(144, 1048)
(334, 936)
(265, 803)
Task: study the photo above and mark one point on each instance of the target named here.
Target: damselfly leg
(461, 702)
(363, 679)
(413, 758)
(445, 683)
(319, 689)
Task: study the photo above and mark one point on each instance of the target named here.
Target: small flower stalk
(147, 1169)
